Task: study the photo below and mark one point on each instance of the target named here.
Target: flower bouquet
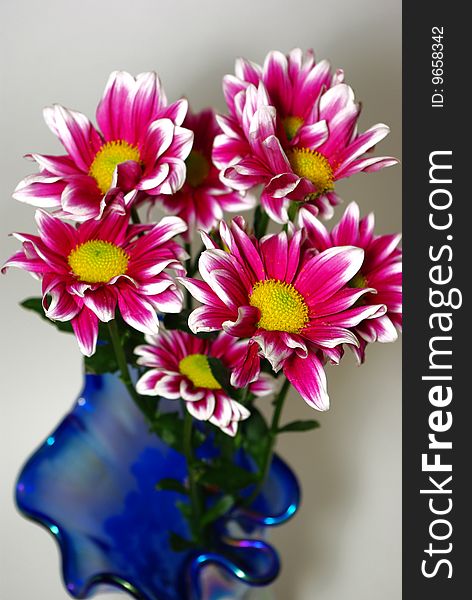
(163, 478)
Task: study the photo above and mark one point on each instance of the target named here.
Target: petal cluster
(292, 127)
(139, 149)
(291, 305)
(179, 368)
(203, 197)
(90, 270)
(381, 270)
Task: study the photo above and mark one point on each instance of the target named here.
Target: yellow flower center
(198, 168)
(291, 126)
(107, 158)
(97, 261)
(313, 166)
(282, 307)
(197, 369)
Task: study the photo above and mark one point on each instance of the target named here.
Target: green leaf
(169, 427)
(255, 436)
(185, 508)
(171, 485)
(299, 426)
(180, 321)
(227, 477)
(179, 543)
(36, 305)
(221, 506)
(103, 361)
(221, 374)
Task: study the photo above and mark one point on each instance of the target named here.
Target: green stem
(125, 375)
(272, 437)
(194, 490)
(293, 210)
(188, 267)
(261, 221)
(135, 215)
(194, 267)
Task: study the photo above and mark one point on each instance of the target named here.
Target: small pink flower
(180, 369)
(89, 270)
(203, 197)
(381, 270)
(293, 128)
(141, 149)
(290, 304)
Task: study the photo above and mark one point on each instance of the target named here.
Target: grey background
(346, 540)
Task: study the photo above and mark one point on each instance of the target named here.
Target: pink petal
(249, 368)
(40, 190)
(208, 318)
(200, 290)
(222, 413)
(181, 143)
(315, 230)
(368, 165)
(274, 251)
(334, 100)
(308, 377)
(331, 269)
(154, 178)
(169, 300)
(354, 316)
(363, 143)
(274, 155)
(276, 208)
(60, 237)
(329, 336)
(273, 348)
(146, 384)
(245, 325)
(247, 70)
(62, 306)
(81, 198)
(147, 103)
(312, 136)
(137, 311)
(347, 231)
(102, 302)
(76, 133)
(202, 409)
(85, 326)
(276, 79)
(176, 111)
(158, 140)
(114, 112)
(176, 178)
(56, 165)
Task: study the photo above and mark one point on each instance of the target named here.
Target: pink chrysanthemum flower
(89, 270)
(203, 197)
(381, 270)
(293, 129)
(289, 304)
(180, 369)
(141, 148)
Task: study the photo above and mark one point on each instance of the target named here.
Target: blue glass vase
(92, 485)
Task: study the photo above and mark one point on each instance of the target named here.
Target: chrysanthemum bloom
(293, 129)
(381, 270)
(141, 148)
(203, 197)
(290, 305)
(89, 270)
(180, 369)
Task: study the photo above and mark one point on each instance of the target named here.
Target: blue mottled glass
(92, 484)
